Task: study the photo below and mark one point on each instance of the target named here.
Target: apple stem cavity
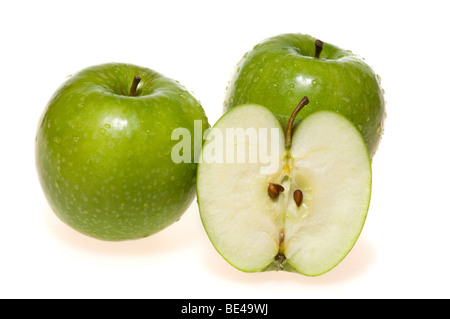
(319, 47)
(274, 190)
(121, 90)
(134, 85)
(300, 105)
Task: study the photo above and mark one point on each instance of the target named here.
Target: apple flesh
(304, 216)
(103, 151)
(280, 70)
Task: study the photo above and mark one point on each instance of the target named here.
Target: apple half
(303, 209)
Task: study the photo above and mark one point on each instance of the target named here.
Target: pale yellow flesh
(328, 162)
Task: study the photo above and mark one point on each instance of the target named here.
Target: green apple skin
(280, 70)
(104, 158)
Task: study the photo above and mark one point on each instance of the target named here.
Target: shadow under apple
(354, 265)
(175, 237)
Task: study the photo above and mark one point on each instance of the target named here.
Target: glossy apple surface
(280, 70)
(104, 157)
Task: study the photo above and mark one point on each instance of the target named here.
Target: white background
(403, 251)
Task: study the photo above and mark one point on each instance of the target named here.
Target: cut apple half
(283, 201)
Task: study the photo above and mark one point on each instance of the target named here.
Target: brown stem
(319, 47)
(134, 85)
(300, 105)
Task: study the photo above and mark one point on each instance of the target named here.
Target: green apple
(103, 151)
(280, 70)
(305, 213)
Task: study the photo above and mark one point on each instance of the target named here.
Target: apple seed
(274, 190)
(298, 197)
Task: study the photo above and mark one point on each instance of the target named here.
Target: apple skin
(280, 70)
(104, 158)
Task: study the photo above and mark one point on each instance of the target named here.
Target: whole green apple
(103, 151)
(280, 70)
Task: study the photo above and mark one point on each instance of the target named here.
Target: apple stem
(134, 85)
(319, 47)
(300, 105)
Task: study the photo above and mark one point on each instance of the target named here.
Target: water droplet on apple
(102, 131)
(81, 104)
(379, 129)
(76, 139)
(108, 126)
(57, 140)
